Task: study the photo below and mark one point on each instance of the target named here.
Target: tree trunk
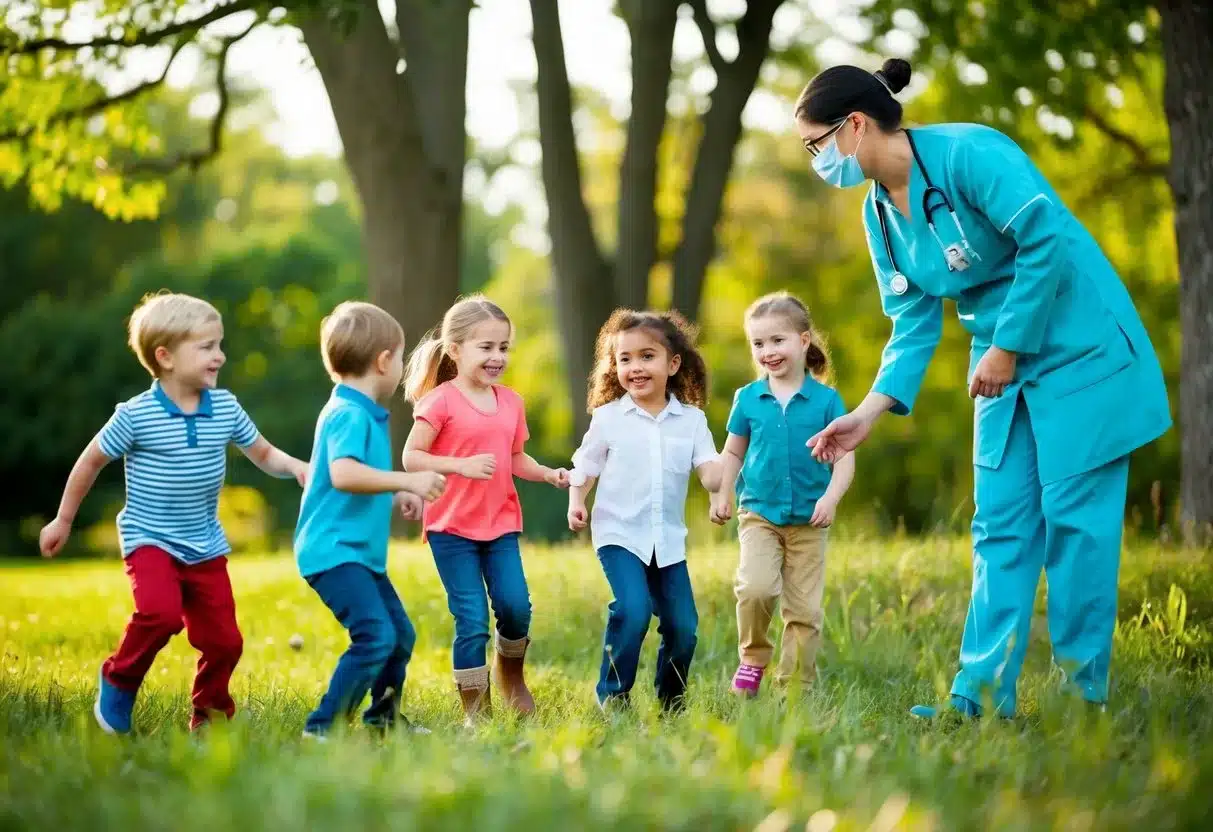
(412, 205)
(583, 287)
(1187, 32)
(651, 25)
(735, 83)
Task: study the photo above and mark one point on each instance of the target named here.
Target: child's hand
(558, 477)
(299, 470)
(823, 514)
(52, 537)
(577, 517)
(428, 485)
(409, 505)
(721, 508)
(479, 467)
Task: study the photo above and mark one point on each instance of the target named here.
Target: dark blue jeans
(381, 644)
(467, 568)
(642, 591)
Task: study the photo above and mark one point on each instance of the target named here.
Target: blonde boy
(173, 439)
(341, 539)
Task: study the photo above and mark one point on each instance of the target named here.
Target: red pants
(169, 596)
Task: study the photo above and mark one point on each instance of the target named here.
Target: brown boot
(511, 656)
(473, 687)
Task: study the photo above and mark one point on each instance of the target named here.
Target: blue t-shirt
(175, 464)
(334, 526)
(779, 478)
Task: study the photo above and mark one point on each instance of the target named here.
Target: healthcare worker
(1064, 378)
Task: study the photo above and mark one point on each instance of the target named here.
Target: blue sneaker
(965, 707)
(113, 707)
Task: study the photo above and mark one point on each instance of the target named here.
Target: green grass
(845, 756)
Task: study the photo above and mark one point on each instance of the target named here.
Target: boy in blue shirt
(341, 538)
(173, 439)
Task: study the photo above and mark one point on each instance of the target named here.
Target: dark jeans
(381, 644)
(467, 568)
(642, 591)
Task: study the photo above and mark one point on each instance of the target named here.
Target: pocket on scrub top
(676, 455)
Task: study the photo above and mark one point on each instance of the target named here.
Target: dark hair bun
(896, 74)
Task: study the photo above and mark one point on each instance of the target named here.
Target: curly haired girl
(647, 433)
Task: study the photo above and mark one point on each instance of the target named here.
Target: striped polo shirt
(175, 464)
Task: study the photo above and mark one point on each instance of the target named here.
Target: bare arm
(84, 473)
(355, 477)
(417, 456)
(841, 478)
(526, 468)
(731, 458)
(578, 516)
(710, 475)
(80, 480)
(275, 462)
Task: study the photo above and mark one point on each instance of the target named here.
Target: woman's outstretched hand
(840, 436)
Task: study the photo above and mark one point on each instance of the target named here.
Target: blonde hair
(165, 320)
(792, 309)
(354, 334)
(430, 363)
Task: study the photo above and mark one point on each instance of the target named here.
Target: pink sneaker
(747, 679)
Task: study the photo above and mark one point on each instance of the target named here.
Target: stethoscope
(956, 255)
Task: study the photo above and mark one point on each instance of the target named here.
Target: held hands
(409, 505)
(839, 437)
(52, 537)
(479, 467)
(721, 510)
(558, 477)
(993, 373)
(428, 485)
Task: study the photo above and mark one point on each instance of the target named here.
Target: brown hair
(354, 334)
(689, 384)
(792, 309)
(165, 320)
(431, 363)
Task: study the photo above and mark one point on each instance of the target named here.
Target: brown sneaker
(510, 659)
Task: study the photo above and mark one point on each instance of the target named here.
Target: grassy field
(844, 756)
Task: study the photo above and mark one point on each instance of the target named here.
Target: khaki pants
(784, 563)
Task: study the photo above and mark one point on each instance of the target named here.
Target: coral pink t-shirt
(475, 509)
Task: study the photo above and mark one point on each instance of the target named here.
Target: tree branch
(101, 104)
(1140, 152)
(708, 30)
(194, 159)
(145, 38)
(722, 130)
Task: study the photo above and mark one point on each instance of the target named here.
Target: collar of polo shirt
(170, 406)
(344, 391)
(804, 392)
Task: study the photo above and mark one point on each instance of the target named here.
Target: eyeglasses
(813, 145)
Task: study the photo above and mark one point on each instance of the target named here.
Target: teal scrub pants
(1072, 529)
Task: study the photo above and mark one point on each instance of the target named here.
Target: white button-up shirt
(643, 464)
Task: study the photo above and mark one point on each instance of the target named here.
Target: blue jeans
(381, 644)
(642, 591)
(466, 568)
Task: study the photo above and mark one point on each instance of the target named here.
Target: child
(341, 538)
(788, 499)
(647, 433)
(473, 429)
(173, 438)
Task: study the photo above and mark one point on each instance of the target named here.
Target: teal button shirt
(779, 478)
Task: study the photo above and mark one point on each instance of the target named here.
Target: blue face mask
(838, 170)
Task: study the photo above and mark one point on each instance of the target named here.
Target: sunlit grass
(845, 756)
